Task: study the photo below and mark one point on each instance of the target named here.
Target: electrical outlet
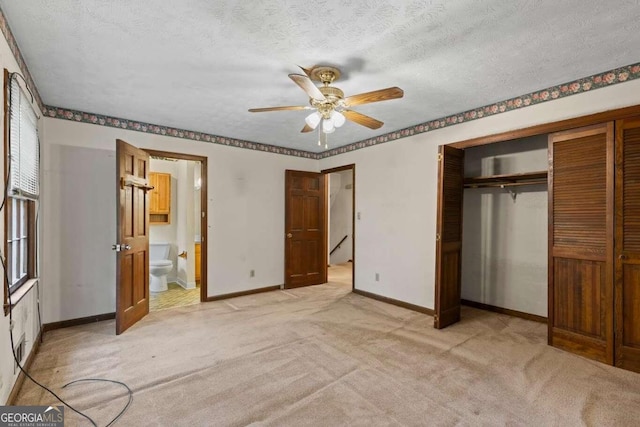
(377, 277)
(252, 273)
(358, 215)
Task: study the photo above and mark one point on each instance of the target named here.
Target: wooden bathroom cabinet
(160, 203)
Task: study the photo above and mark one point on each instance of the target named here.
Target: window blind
(24, 145)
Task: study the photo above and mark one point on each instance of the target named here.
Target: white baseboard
(186, 285)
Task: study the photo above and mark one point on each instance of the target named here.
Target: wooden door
(449, 236)
(581, 220)
(305, 229)
(627, 249)
(132, 276)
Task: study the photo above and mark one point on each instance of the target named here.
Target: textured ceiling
(200, 64)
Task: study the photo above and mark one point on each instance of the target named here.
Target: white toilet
(159, 266)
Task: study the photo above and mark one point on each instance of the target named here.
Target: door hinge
(439, 157)
(437, 237)
(202, 214)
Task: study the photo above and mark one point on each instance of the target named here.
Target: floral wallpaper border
(587, 84)
(597, 81)
(13, 45)
(115, 122)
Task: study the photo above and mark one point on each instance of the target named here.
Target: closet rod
(506, 184)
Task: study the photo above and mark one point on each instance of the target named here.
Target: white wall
(25, 312)
(186, 231)
(396, 192)
(245, 224)
(504, 243)
(340, 218)
(168, 233)
(196, 204)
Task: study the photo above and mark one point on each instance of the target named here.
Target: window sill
(19, 294)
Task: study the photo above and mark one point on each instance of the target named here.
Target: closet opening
(490, 231)
(505, 229)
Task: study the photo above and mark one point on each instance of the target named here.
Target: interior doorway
(178, 229)
(341, 225)
(134, 206)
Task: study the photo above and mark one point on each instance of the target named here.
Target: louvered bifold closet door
(627, 280)
(581, 220)
(449, 236)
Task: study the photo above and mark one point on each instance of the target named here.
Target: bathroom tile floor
(175, 296)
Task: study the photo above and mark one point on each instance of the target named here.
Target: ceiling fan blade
(307, 71)
(375, 96)
(307, 85)
(296, 107)
(362, 119)
(306, 128)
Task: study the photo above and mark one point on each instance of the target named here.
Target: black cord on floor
(108, 381)
(15, 357)
(37, 273)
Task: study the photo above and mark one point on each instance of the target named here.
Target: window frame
(20, 288)
(27, 233)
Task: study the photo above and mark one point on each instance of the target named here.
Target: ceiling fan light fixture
(328, 126)
(337, 118)
(329, 104)
(313, 119)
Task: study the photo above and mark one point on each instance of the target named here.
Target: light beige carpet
(324, 356)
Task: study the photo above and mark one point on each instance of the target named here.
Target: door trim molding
(551, 127)
(204, 230)
(351, 167)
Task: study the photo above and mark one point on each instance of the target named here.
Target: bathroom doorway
(177, 230)
(341, 225)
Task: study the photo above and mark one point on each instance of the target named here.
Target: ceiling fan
(330, 105)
